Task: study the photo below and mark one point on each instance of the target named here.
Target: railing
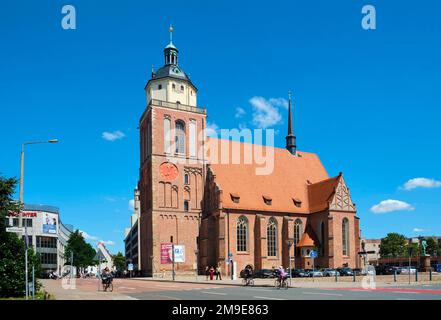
(176, 106)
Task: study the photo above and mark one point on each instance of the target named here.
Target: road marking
(172, 298)
(260, 290)
(324, 294)
(405, 292)
(268, 298)
(218, 293)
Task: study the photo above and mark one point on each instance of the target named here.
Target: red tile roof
(289, 180)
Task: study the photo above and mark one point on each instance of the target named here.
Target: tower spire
(171, 33)
(170, 51)
(290, 138)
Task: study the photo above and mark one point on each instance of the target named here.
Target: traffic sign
(130, 267)
(15, 229)
(313, 254)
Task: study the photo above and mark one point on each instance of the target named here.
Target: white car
(405, 270)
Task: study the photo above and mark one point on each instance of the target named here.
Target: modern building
(373, 246)
(132, 236)
(104, 259)
(219, 211)
(46, 234)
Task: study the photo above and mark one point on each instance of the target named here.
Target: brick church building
(222, 210)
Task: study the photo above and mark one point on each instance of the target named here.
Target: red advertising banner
(166, 253)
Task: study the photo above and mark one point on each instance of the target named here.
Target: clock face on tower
(168, 171)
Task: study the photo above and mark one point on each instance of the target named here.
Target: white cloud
(421, 183)
(108, 242)
(112, 136)
(132, 204)
(240, 112)
(87, 236)
(391, 205)
(110, 199)
(266, 112)
(418, 230)
(211, 130)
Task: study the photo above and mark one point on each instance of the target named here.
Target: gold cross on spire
(171, 33)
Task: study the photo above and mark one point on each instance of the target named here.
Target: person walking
(207, 272)
(218, 272)
(212, 273)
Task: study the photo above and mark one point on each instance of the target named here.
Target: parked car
(346, 271)
(328, 272)
(299, 273)
(437, 267)
(314, 273)
(406, 270)
(265, 273)
(387, 270)
(359, 272)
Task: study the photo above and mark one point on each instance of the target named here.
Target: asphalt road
(432, 292)
(87, 289)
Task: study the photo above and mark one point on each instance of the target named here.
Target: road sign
(313, 254)
(230, 255)
(130, 267)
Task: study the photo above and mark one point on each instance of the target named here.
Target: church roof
(301, 177)
(320, 193)
(307, 239)
(171, 71)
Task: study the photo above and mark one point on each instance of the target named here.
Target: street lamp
(290, 242)
(21, 200)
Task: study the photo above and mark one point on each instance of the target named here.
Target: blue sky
(368, 102)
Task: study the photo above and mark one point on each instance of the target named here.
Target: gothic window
(242, 234)
(186, 205)
(272, 237)
(186, 179)
(297, 231)
(180, 137)
(345, 236)
(322, 238)
(192, 132)
(167, 136)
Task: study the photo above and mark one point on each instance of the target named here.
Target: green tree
(119, 261)
(12, 248)
(83, 252)
(393, 245)
(415, 250)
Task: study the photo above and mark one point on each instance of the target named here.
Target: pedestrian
(207, 272)
(218, 272)
(212, 273)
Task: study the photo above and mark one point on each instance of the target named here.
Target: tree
(393, 245)
(83, 252)
(12, 248)
(119, 261)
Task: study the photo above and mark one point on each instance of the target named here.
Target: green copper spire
(290, 138)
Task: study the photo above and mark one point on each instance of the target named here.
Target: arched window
(322, 238)
(297, 231)
(167, 136)
(192, 140)
(242, 234)
(345, 236)
(180, 137)
(272, 237)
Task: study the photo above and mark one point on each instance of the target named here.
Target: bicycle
(281, 283)
(248, 282)
(108, 284)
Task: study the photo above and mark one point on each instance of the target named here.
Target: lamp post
(21, 200)
(290, 242)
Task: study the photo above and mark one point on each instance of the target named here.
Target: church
(221, 213)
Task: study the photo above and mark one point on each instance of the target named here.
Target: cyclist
(282, 275)
(107, 277)
(248, 274)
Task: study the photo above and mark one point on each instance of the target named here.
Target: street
(130, 289)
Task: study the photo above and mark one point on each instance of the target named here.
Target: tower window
(182, 88)
(186, 205)
(180, 137)
(173, 86)
(186, 179)
(160, 87)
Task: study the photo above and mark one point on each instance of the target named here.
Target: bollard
(353, 276)
(395, 275)
(336, 275)
(430, 274)
(416, 275)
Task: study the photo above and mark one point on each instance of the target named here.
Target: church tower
(171, 166)
(290, 138)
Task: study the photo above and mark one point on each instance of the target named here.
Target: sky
(366, 101)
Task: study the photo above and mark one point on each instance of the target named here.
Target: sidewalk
(343, 282)
(55, 288)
